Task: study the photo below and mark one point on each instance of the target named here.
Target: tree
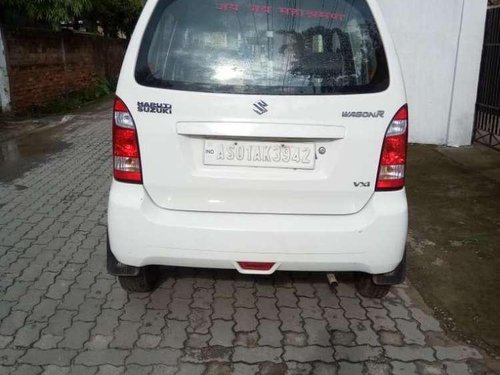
(115, 16)
(49, 12)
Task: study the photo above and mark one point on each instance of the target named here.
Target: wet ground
(26, 144)
(454, 242)
(61, 313)
(19, 155)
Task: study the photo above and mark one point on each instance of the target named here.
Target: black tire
(145, 281)
(367, 288)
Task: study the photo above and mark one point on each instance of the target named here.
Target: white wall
(4, 78)
(467, 73)
(439, 43)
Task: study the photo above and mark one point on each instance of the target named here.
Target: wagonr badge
(378, 114)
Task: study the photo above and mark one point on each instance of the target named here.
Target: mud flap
(116, 268)
(397, 276)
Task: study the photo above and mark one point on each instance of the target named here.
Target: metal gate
(487, 121)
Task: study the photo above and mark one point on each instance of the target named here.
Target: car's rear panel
(186, 128)
(371, 240)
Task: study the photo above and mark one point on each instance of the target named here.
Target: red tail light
(391, 174)
(126, 156)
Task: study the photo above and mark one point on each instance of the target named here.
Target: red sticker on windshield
(228, 7)
(261, 8)
(294, 12)
(311, 13)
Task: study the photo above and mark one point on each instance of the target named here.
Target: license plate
(290, 155)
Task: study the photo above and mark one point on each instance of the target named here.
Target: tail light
(126, 156)
(256, 266)
(391, 173)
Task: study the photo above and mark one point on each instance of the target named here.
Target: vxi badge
(377, 114)
(361, 184)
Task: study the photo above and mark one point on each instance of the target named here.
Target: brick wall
(45, 65)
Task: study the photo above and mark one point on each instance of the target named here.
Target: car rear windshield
(276, 47)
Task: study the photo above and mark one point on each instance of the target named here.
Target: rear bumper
(372, 240)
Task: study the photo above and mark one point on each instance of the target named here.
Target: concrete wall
(45, 65)
(4, 77)
(439, 43)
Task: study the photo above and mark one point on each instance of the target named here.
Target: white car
(260, 138)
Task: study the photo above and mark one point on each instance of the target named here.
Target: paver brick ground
(61, 313)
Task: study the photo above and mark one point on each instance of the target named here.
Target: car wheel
(367, 288)
(145, 281)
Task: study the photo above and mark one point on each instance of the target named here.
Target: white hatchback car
(260, 136)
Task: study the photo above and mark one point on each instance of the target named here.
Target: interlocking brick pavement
(61, 313)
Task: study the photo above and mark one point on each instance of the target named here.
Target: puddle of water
(18, 156)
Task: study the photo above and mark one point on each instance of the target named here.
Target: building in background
(439, 44)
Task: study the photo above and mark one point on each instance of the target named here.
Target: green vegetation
(115, 15)
(52, 12)
(112, 16)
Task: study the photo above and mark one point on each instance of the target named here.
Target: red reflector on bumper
(256, 266)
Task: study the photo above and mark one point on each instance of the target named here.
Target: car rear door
(257, 108)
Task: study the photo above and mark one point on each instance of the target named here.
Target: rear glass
(287, 47)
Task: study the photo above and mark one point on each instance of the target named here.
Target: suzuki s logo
(377, 114)
(260, 107)
(361, 184)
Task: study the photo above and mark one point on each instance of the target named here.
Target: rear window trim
(146, 40)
